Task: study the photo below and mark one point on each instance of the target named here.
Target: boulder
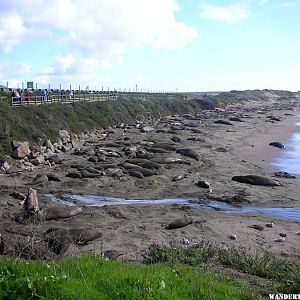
(49, 145)
(21, 151)
(64, 136)
(38, 160)
(4, 167)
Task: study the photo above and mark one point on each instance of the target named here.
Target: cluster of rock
(44, 154)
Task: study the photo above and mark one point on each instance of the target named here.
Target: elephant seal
(277, 144)
(236, 119)
(222, 122)
(79, 236)
(190, 153)
(135, 173)
(54, 213)
(86, 174)
(176, 139)
(74, 174)
(179, 223)
(171, 160)
(256, 180)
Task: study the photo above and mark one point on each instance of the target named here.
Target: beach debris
(297, 233)
(257, 227)
(284, 175)
(162, 284)
(270, 225)
(232, 236)
(280, 240)
(277, 145)
(18, 195)
(185, 241)
(282, 234)
(178, 177)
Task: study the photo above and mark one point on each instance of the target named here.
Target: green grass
(90, 277)
(285, 274)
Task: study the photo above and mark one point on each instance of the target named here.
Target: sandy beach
(224, 150)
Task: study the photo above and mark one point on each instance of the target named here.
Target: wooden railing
(84, 97)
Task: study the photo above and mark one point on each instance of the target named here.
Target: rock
(66, 147)
(64, 136)
(277, 145)
(49, 145)
(111, 254)
(40, 179)
(280, 240)
(176, 139)
(38, 160)
(284, 175)
(146, 129)
(203, 184)
(270, 225)
(232, 236)
(21, 151)
(282, 234)
(4, 167)
(55, 159)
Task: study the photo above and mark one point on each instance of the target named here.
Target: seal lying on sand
(60, 212)
(256, 180)
(190, 153)
(179, 223)
(277, 144)
(79, 236)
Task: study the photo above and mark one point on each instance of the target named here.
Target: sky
(151, 45)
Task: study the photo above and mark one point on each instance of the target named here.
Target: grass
(285, 274)
(32, 123)
(92, 277)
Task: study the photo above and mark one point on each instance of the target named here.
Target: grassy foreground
(90, 277)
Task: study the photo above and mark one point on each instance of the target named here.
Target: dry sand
(131, 229)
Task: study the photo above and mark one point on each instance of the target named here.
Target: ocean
(289, 159)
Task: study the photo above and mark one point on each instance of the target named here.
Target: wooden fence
(53, 98)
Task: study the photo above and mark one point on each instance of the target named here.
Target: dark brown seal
(256, 180)
(179, 223)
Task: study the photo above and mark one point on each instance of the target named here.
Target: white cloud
(93, 33)
(11, 31)
(227, 14)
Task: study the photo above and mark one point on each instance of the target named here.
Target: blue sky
(166, 45)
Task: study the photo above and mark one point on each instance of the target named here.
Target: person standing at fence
(27, 95)
(62, 95)
(71, 95)
(44, 95)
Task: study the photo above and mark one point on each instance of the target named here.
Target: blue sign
(30, 84)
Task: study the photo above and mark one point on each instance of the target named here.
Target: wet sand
(226, 151)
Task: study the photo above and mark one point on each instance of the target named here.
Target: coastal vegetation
(34, 123)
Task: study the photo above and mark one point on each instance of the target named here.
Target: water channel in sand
(292, 214)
